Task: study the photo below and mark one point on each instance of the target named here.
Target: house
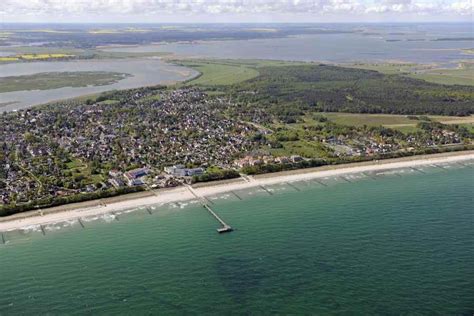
(244, 162)
(268, 159)
(181, 171)
(194, 171)
(296, 158)
(282, 160)
(115, 173)
(135, 182)
(176, 170)
(136, 173)
(116, 182)
(255, 162)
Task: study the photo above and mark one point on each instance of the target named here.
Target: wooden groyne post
(345, 179)
(225, 228)
(42, 230)
(236, 195)
(369, 175)
(80, 222)
(293, 186)
(3, 239)
(320, 182)
(265, 189)
(420, 171)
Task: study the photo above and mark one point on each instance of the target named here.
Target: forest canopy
(328, 88)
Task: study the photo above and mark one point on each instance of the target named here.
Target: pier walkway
(225, 228)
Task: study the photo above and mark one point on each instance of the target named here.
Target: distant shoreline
(162, 196)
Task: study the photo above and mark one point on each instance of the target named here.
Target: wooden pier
(207, 200)
(225, 228)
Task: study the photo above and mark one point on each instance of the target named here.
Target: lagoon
(329, 48)
(144, 71)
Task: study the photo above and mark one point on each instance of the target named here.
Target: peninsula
(268, 117)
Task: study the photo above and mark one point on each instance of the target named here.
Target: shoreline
(169, 195)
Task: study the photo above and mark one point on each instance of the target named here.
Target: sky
(212, 11)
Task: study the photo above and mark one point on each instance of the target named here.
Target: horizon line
(244, 22)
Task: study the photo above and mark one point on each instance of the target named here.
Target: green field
(459, 76)
(464, 75)
(399, 122)
(82, 171)
(368, 119)
(385, 68)
(227, 72)
(219, 74)
(54, 80)
(38, 53)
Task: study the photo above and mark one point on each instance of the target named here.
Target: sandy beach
(157, 197)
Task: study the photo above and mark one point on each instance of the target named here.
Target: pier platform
(225, 228)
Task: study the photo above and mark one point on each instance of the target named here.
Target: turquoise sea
(396, 243)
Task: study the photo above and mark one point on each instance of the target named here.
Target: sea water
(389, 243)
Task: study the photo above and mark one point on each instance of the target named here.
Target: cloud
(462, 7)
(216, 7)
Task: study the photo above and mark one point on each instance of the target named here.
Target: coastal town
(153, 138)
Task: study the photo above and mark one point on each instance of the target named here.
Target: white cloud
(462, 7)
(216, 7)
